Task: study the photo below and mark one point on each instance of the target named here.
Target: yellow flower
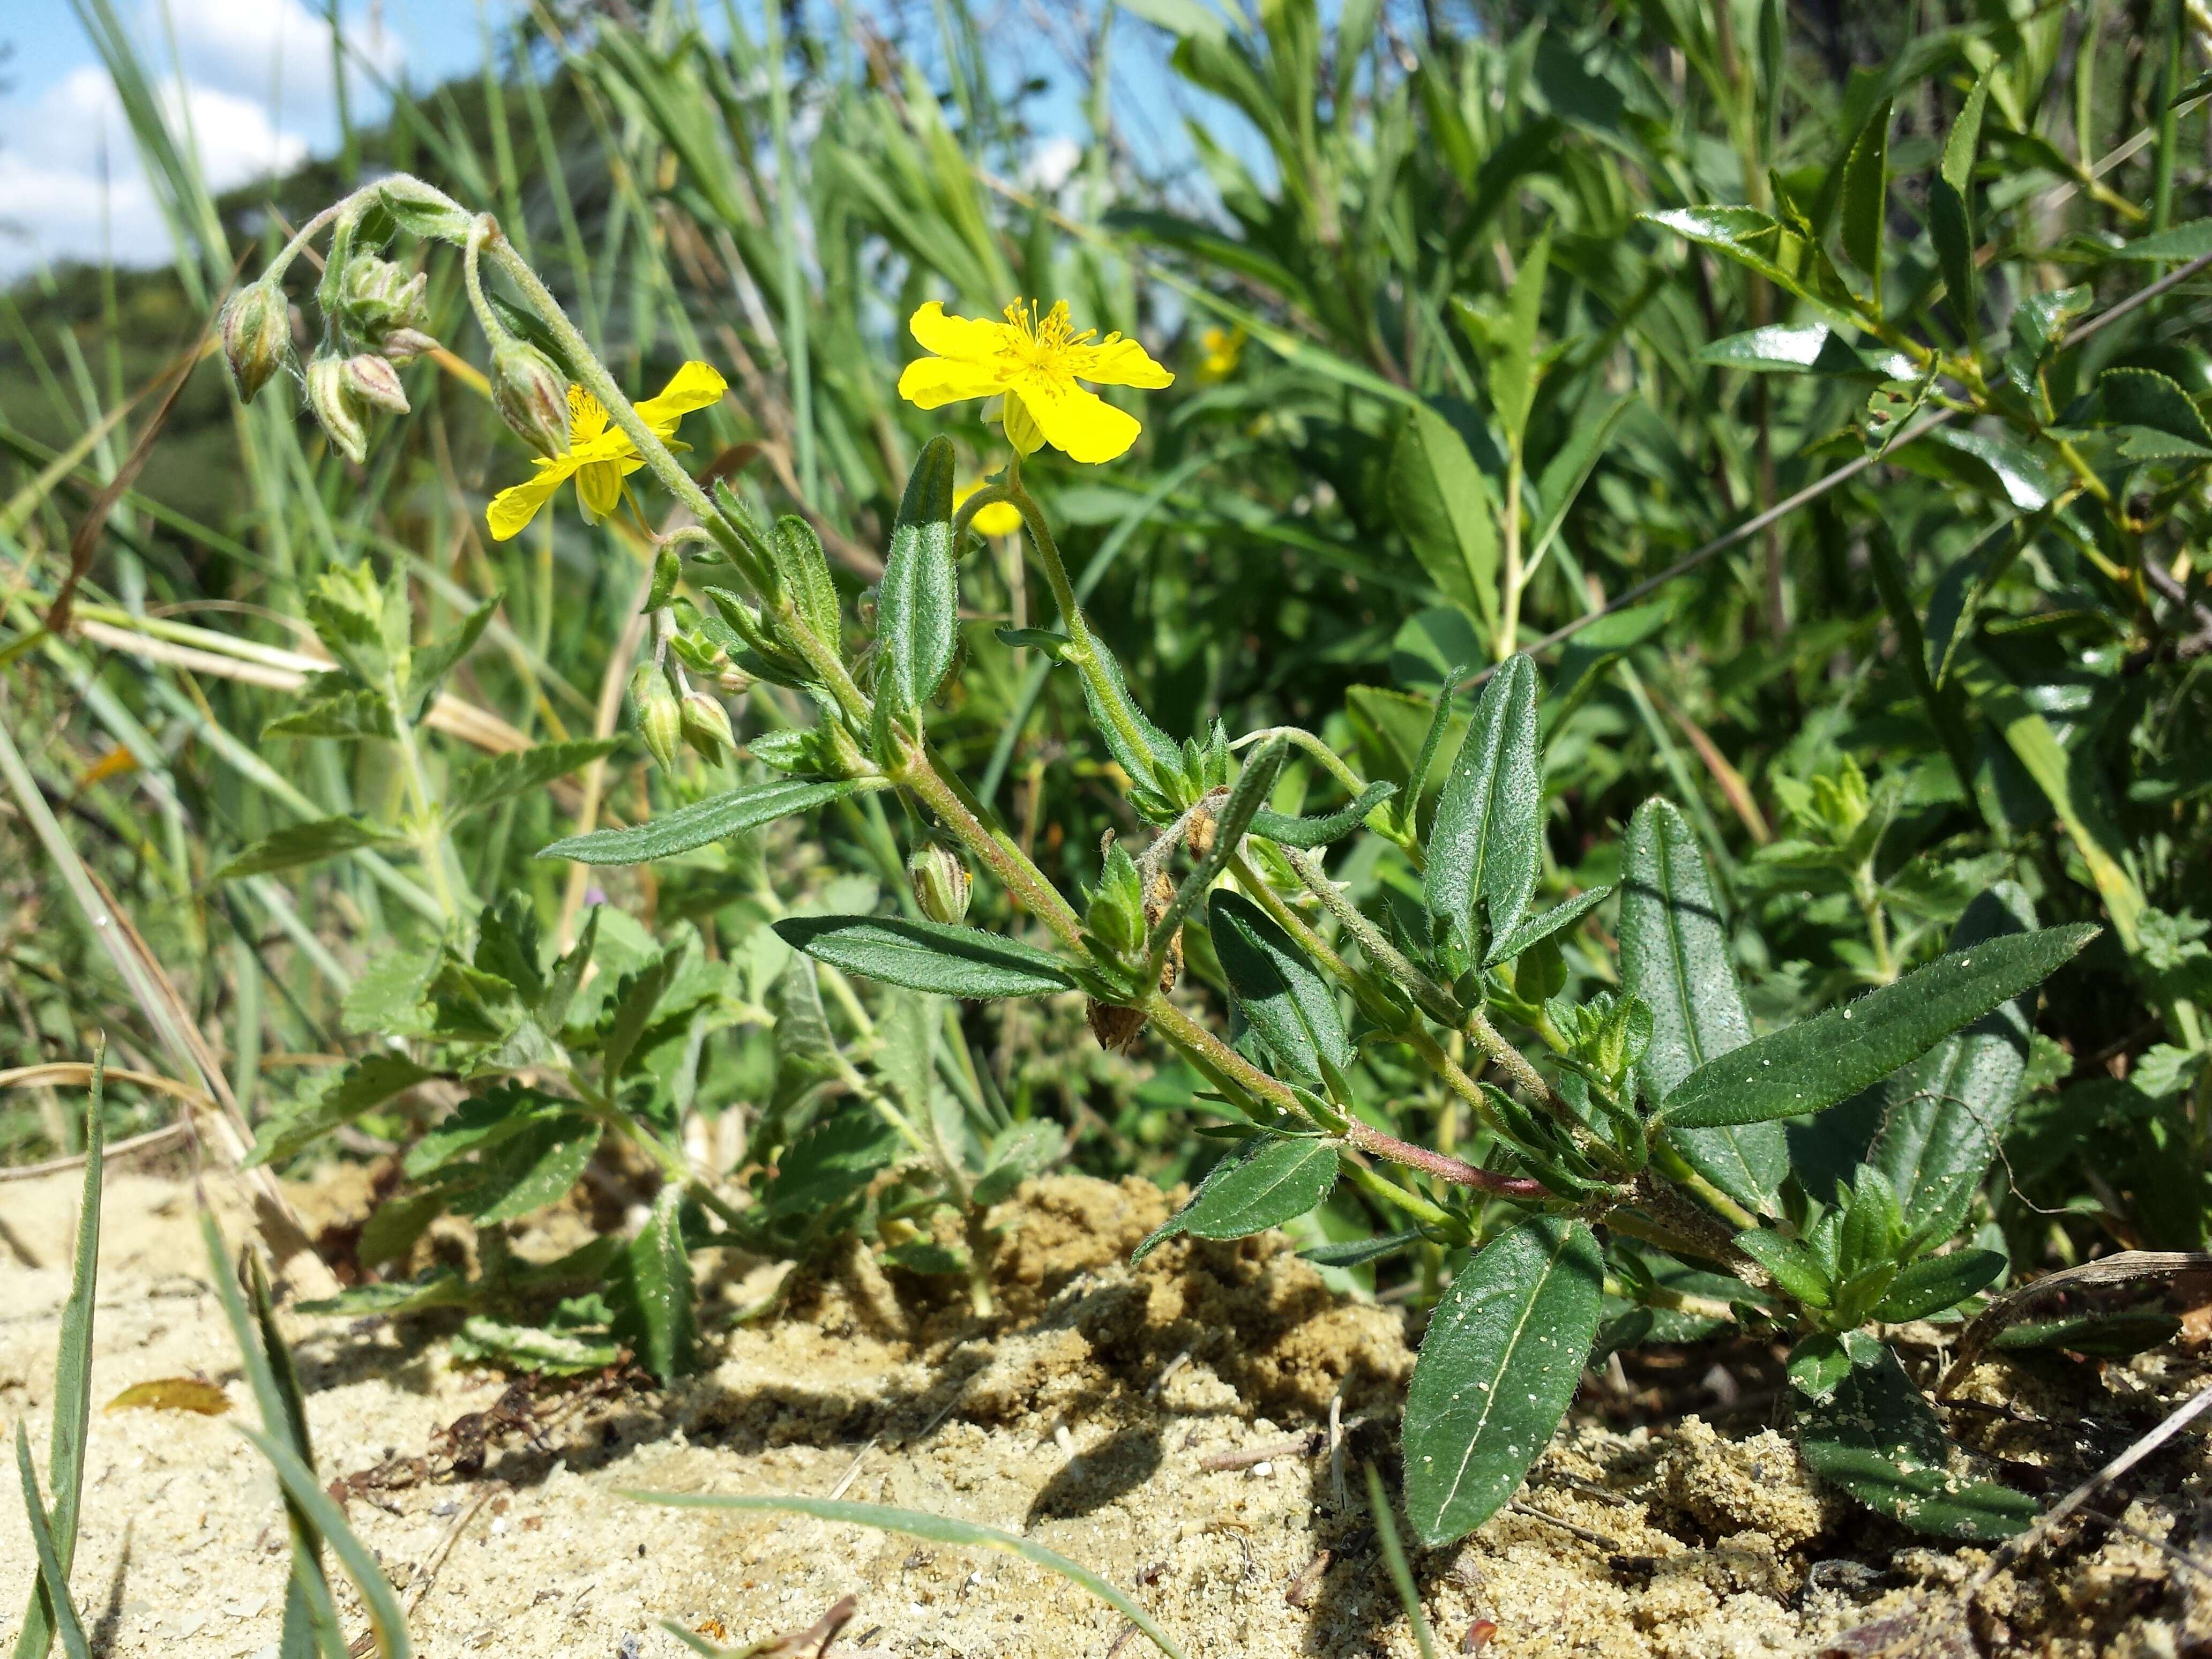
(600, 455)
(998, 519)
(1219, 351)
(1037, 364)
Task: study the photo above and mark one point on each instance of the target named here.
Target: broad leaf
(1018, 1153)
(1487, 842)
(1862, 1426)
(1534, 930)
(1866, 196)
(2145, 397)
(479, 1122)
(503, 777)
(350, 715)
(370, 1081)
(1311, 832)
(928, 956)
(1674, 955)
(1277, 989)
(650, 1288)
(1270, 1180)
(1443, 506)
(532, 1171)
(1817, 1062)
(304, 843)
(1951, 208)
(1497, 1370)
(1937, 1282)
(430, 666)
(917, 606)
(835, 1157)
(747, 808)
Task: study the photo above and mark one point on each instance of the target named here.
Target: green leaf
(1817, 1062)
(392, 1230)
(72, 1395)
(1512, 366)
(385, 997)
(304, 843)
(1442, 505)
(931, 1529)
(1534, 930)
(1797, 1268)
(804, 574)
(1866, 196)
(1268, 1180)
(1486, 844)
(1811, 349)
(928, 956)
(1017, 1154)
(918, 605)
(370, 1081)
(835, 1157)
(305, 1495)
(1944, 1117)
(2143, 397)
(1311, 832)
(50, 1591)
(348, 715)
(651, 1290)
(2189, 240)
(431, 663)
(1276, 988)
(635, 1000)
(1674, 955)
(477, 1123)
(2102, 1334)
(552, 1353)
(1951, 208)
(1497, 1370)
(531, 1169)
(1862, 1426)
(1357, 1252)
(1937, 1282)
(1761, 243)
(503, 777)
(716, 818)
(442, 1287)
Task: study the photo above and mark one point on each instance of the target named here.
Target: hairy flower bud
(660, 716)
(423, 209)
(531, 395)
(376, 299)
(337, 407)
(706, 725)
(941, 882)
(257, 335)
(403, 346)
(372, 379)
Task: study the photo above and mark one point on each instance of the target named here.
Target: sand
(1092, 1415)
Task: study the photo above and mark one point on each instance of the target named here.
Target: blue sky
(254, 77)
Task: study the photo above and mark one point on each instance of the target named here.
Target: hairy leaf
(1270, 1180)
(746, 807)
(1486, 845)
(503, 777)
(1281, 995)
(304, 843)
(928, 956)
(1311, 832)
(917, 607)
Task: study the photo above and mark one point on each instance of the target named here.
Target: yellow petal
(513, 508)
(694, 386)
(998, 519)
(599, 486)
(929, 382)
(1115, 361)
(588, 417)
(1080, 424)
(955, 337)
(1021, 430)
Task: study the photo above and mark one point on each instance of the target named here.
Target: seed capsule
(337, 407)
(706, 725)
(372, 379)
(660, 716)
(256, 336)
(941, 882)
(531, 395)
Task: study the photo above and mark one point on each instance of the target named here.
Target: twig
(2127, 1267)
(177, 1131)
(852, 1470)
(1582, 1533)
(1300, 1445)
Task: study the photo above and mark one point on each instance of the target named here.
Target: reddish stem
(1457, 1171)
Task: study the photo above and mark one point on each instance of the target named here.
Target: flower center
(1045, 346)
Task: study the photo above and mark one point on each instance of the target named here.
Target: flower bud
(660, 716)
(733, 680)
(257, 335)
(941, 882)
(706, 725)
(372, 378)
(531, 395)
(337, 407)
(377, 298)
(422, 210)
(403, 346)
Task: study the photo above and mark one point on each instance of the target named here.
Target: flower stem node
(531, 395)
(941, 882)
(422, 210)
(706, 725)
(660, 716)
(257, 335)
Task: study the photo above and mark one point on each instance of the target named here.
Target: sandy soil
(1076, 1419)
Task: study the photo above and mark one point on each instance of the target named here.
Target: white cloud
(274, 51)
(71, 182)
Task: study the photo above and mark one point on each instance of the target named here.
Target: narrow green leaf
(1951, 207)
(1497, 1370)
(350, 715)
(1674, 955)
(1862, 1426)
(1534, 930)
(652, 1290)
(1357, 1252)
(385, 1618)
(370, 1081)
(1443, 507)
(1866, 196)
(2179, 243)
(1937, 1282)
(1819, 1062)
(488, 782)
(51, 1589)
(804, 572)
(1796, 1267)
(1487, 842)
(720, 816)
(432, 663)
(1277, 989)
(635, 1000)
(1270, 1180)
(928, 956)
(917, 606)
(1319, 831)
(304, 843)
(931, 1529)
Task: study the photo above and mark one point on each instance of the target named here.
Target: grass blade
(935, 1528)
(1393, 1555)
(52, 1580)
